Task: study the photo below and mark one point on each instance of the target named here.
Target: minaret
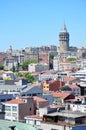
(64, 39)
(10, 50)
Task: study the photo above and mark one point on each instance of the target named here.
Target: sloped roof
(38, 99)
(73, 86)
(15, 101)
(60, 94)
(31, 89)
(66, 88)
(55, 85)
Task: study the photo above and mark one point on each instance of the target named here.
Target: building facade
(37, 67)
(17, 109)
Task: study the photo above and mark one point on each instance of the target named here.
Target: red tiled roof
(15, 101)
(60, 94)
(25, 96)
(55, 85)
(39, 99)
(81, 97)
(73, 86)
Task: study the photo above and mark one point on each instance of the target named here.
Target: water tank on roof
(84, 100)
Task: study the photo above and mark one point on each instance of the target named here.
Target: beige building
(67, 65)
(44, 57)
(63, 65)
(37, 67)
(31, 56)
(9, 62)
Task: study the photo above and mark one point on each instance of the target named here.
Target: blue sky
(32, 23)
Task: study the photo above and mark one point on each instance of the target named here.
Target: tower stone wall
(64, 40)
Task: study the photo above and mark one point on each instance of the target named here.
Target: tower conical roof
(64, 29)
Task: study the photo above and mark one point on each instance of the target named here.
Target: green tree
(29, 77)
(71, 59)
(19, 74)
(13, 69)
(32, 61)
(1, 67)
(25, 63)
(51, 56)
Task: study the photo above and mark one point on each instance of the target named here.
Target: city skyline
(33, 23)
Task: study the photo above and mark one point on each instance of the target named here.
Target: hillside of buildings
(44, 87)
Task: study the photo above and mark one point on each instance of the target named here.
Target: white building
(56, 63)
(33, 120)
(80, 74)
(83, 63)
(48, 75)
(10, 62)
(78, 107)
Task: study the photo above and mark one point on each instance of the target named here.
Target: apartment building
(17, 109)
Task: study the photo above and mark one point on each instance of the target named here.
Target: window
(15, 116)
(2, 100)
(30, 108)
(14, 108)
(8, 114)
(61, 118)
(8, 108)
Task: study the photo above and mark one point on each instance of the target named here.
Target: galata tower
(64, 39)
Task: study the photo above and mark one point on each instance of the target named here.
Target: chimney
(12, 127)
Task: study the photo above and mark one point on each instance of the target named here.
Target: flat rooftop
(67, 113)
